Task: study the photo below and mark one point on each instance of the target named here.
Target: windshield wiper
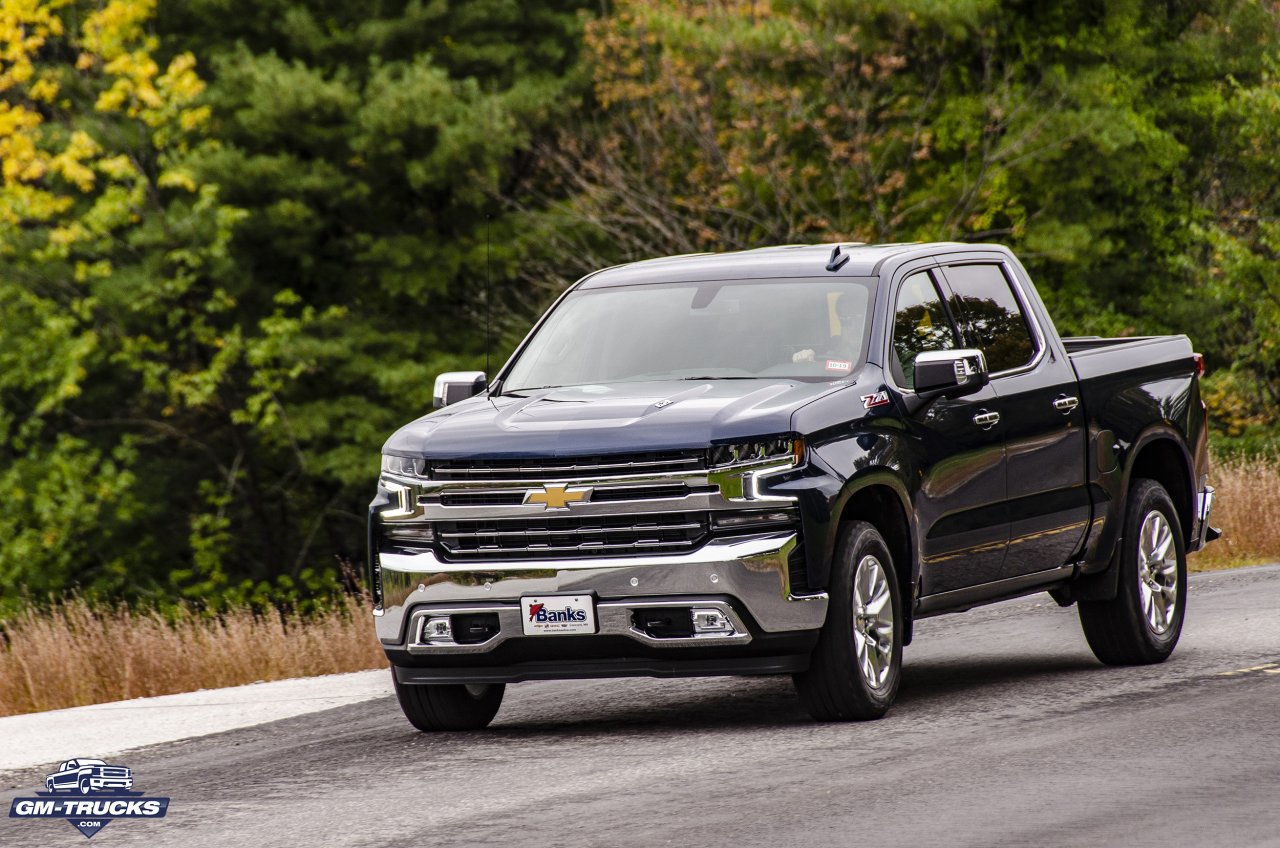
(721, 378)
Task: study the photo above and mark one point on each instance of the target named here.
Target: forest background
(239, 238)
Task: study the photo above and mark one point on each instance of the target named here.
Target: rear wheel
(1141, 625)
(856, 666)
(452, 706)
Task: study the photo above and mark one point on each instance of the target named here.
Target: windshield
(805, 329)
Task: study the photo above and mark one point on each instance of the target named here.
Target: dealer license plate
(556, 615)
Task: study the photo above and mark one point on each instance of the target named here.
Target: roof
(791, 260)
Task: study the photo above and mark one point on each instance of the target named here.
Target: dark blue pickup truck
(774, 462)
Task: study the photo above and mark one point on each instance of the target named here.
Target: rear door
(964, 526)
(1043, 422)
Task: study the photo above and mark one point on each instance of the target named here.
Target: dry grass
(75, 654)
(1247, 508)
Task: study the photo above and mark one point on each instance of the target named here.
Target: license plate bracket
(558, 615)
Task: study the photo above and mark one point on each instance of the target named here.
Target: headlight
(776, 451)
(403, 466)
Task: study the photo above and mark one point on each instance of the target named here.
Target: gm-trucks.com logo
(89, 794)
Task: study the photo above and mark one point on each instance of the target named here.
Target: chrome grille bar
(546, 469)
(571, 535)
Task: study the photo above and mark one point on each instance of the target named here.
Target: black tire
(836, 687)
(1119, 630)
(451, 706)
(85, 786)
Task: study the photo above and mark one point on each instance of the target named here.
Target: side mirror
(950, 373)
(453, 386)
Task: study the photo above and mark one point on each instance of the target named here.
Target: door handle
(986, 420)
(1065, 404)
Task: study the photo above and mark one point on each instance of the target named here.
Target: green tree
(1125, 150)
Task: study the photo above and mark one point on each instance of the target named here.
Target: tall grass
(76, 654)
(1247, 508)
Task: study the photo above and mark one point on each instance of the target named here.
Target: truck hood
(615, 418)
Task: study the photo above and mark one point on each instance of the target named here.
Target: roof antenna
(837, 260)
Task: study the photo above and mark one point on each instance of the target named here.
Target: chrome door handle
(1065, 404)
(986, 420)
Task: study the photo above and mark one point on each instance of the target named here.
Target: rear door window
(990, 315)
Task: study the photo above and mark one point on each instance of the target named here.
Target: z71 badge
(877, 399)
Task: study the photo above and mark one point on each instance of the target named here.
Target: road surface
(1006, 732)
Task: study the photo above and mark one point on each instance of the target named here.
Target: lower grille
(571, 536)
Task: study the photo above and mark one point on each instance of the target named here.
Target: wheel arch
(878, 499)
(1161, 456)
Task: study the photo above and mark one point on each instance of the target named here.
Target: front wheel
(450, 706)
(1141, 625)
(856, 666)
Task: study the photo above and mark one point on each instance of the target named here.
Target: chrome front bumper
(744, 575)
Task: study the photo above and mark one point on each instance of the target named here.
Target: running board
(959, 600)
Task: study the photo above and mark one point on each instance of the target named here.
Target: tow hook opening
(682, 622)
(664, 622)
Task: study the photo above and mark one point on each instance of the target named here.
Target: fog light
(437, 629)
(712, 621)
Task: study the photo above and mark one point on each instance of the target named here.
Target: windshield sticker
(842, 365)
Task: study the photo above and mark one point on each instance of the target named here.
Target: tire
(1141, 625)
(839, 685)
(432, 708)
(85, 786)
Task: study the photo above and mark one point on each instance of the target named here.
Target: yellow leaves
(47, 167)
(70, 163)
(177, 178)
(25, 25)
(44, 89)
(116, 29)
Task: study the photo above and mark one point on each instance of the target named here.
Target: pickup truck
(87, 776)
(775, 461)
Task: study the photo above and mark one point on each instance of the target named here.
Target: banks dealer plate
(554, 615)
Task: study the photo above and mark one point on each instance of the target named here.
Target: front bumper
(746, 578)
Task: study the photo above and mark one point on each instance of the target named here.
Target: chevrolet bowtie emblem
(556, 497)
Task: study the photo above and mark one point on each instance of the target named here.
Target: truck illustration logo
(89, 793)
(86, 776)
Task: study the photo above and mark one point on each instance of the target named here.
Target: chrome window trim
(1037, 333)
(1029, 315)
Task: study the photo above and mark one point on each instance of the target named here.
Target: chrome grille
(571, 467)
(571, 536)
(599, 494)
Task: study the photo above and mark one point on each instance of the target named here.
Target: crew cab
(87, 776)
(774, 462)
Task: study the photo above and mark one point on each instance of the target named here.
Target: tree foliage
(1125, 150)
(240, 237)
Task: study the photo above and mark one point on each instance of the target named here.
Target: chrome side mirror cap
(950, 373)
(453, 386)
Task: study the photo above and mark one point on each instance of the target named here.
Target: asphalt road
(1007, 732)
